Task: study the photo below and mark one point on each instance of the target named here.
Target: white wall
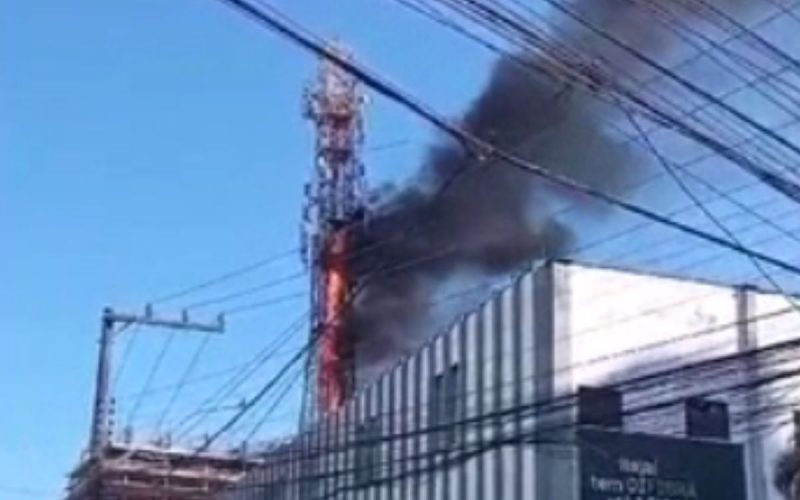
(624, 325)
(778, 322)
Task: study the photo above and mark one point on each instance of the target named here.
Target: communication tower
(335, 203)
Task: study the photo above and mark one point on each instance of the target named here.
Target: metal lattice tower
(335, 201)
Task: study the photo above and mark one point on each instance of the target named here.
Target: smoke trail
(491, 219)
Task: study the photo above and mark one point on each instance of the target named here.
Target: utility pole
(112, 323)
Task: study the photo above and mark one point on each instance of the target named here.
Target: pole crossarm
(101, 426)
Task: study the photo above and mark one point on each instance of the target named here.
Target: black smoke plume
(460, 217)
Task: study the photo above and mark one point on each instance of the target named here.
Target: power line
(195, 358)
(403, 265)
(483, 148)
(635, 138)
(308, 347)
(229, 275)
(469, 290)
(195, 418)
(667, 165)
(594, 80)
(246, 291)
(683, 82)
(766, 44)
(151, 375)
(278, 378)
(278, 400)
(577, 69)
(527, 65)
(439, 18)
(480, 147)
(248, 405)
(271, 383)
(126, 354)
(184, 377)
(281, 299)
(242, 377)
(667, 18)
(532, 436)
(657, 376)
(408, 264)
(212, 375)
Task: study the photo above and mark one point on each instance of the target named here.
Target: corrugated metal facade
(485, 410)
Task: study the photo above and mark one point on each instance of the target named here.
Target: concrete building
(139, 472)
(488, 408)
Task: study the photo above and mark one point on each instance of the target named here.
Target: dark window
(368, 450)
(446, 410)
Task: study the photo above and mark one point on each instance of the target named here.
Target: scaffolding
(137, 472)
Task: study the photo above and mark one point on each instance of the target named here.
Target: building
(116, 468)
(489, 408)
(138, 472)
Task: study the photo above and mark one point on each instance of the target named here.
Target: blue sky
(148, 145)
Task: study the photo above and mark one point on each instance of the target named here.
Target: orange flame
(333, 348)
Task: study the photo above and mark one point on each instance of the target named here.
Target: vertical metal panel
(380, 414)
(472, 395)
(268, 477)
(497, 390)
(516, 384)
(417, 426)
(309, 480)
(325, 457)
(259, 485)
(480, 386)
(747, 339)
(432, 435)
(391, 430)
(348, 452)
(266, 480)
(276, 477)
(528, 335)
(292, 470)
(300, 465)
(366, 444)
(271, 476)
(256, 486)
(280, 464)
(315, 458)
(463, 413)
(303, 483)
(334, 452)
(338, 455)
(554, 378)
(543, 363)
(310, 464)
(447, 364)
(297, 462)
(286, 471)
(404, 427)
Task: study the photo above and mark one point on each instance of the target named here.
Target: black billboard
(618, 466)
